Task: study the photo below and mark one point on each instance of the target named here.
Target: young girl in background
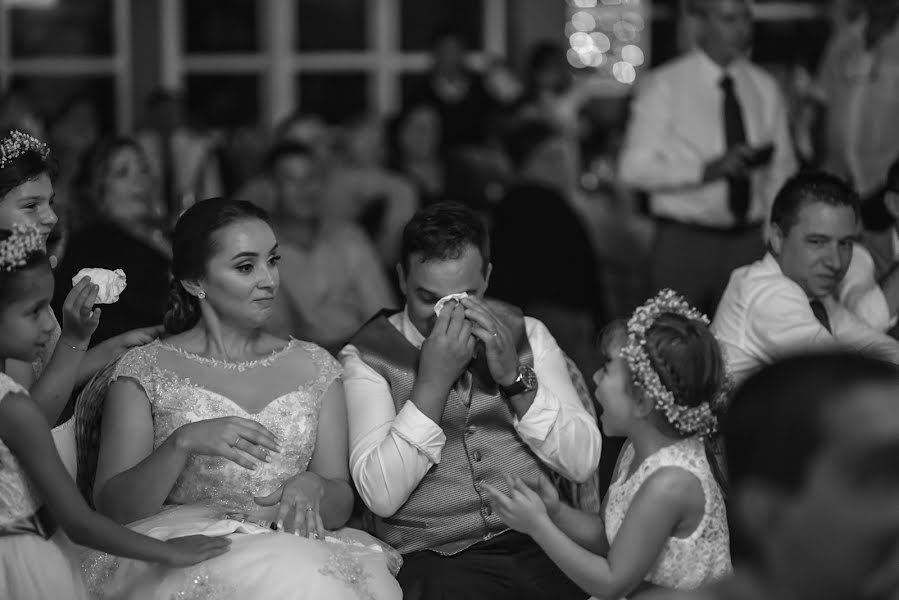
(36, 493)
(664, 521)
(65, 362)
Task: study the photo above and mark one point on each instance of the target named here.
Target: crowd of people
(386, 362)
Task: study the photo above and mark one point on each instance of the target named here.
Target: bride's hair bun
(193, 244)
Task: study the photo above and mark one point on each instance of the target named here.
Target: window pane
(223, 100)
(333, 96)
(331, 25)
(59, 98)
(70, 27)
(792, 42)
(220, 26)
(421, 19)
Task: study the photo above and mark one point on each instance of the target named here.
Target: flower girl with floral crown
(664, 520)
(40, 507)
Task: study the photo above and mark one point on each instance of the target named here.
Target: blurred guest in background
(414, 138)
(708, 139)
(120, 225)
(543, 257)
(858, 83)
(181, 159)
(361, 190)
(331, 279)
(457, 92)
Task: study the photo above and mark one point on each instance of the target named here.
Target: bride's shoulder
(308, 354)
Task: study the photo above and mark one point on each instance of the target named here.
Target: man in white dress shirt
(708, 139)
(784, 304)
(440, 405)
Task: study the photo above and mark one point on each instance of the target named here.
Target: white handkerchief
(440, 303)
(111, 283)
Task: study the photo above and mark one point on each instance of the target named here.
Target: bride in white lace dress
(226, 430)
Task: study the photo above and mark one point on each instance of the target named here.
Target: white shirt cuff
(419, 431)
(540, 417)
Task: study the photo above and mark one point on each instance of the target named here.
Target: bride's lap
(266, 565)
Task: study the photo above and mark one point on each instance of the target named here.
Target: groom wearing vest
(440, 405)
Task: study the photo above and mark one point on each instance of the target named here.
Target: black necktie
(734, 135)
(821, 314)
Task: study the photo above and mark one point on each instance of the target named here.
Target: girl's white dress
(30, 566)
(685, 563)
(211, 492)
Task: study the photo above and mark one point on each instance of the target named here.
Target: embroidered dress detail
(685, 563)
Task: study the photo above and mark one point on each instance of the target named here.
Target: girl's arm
(24, 430)
(330, 459)
(133, 480)
(585, 529)
(665, 500)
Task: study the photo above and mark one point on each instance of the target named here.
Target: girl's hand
(548, 493)
(79, 317)
(192, 549)
(235, 438)
(522, 509)
(116, 346)
(302, 495)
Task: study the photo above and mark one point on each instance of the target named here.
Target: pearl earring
(201, 295)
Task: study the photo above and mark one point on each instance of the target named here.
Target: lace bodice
(685, 563)
(184, 388)
(17, 497)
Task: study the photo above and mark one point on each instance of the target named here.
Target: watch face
(528, 378)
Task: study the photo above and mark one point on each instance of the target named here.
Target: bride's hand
(237, 439)
(301, 494)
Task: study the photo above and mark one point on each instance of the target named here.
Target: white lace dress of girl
(184, 388)
(30, 565)
(685, 563)
(63, 435)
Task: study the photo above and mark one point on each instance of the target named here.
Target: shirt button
(469, 431)
(476, 456)
(487, 511)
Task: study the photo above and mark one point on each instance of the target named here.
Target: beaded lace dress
(282, 392)
(685, 563)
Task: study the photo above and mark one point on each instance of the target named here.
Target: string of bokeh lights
(606, 35)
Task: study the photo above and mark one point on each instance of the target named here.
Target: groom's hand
(444, 356)
(447, 350)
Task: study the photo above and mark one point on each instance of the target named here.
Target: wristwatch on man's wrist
(526, 382)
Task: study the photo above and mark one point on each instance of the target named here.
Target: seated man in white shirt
(708, 140)
(439, 405)
(784, 303)
(871, 286)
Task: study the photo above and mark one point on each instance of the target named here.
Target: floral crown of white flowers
(690, 420)
(17, 143)
(24, 242)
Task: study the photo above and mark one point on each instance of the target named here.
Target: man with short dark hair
(812, 447)
(784, 303)
(440, 404)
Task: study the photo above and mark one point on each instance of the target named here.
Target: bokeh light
(624, 72)
(632, 54)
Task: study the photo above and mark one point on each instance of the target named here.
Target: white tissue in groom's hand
(442, 302)
(111, 283)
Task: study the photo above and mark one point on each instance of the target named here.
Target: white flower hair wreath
(690, 420)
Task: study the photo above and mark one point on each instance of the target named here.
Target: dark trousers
(510, 566)
(697, 261)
